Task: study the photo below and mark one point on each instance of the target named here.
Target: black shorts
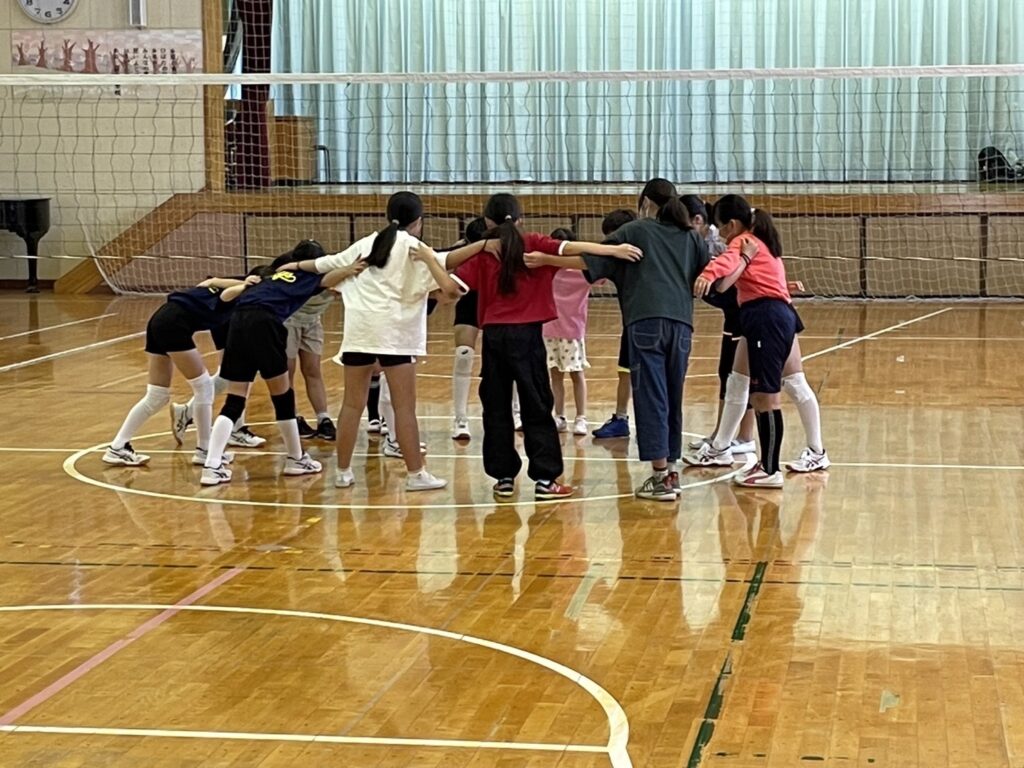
(623, 353)
(170, 329)
(359, 359)
(769, 326)
(257, 342)
(220, 335)
(465, 310)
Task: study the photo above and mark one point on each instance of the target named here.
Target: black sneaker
(505, 487)
(657, 489)
(306, 432)
(326, 431)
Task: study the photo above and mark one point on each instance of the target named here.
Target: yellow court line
(618, 723)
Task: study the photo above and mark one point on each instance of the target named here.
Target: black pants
(516, 354)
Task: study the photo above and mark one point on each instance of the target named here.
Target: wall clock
(48, 11)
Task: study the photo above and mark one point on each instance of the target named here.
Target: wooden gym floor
(869, 617)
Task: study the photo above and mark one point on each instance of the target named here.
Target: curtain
(740, 130)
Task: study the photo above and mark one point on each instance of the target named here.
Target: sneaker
(393, 451)
(306, 432)
(423, 481)
(551, 489)
(461, 430)
(657, 489)
(215, 476)
(579, 427)
(616, 426)
(181, 417)
(695, 445)
(199, 457)
(124, 457)
(758, 478)
(373, 426)
(345, 478)
(708, 456)
(672, 480)
(505, 487)
(326, 430)
(810, 461)
(244, 438)
(384, 428)
(743, 446)
(304, 465)
(560, 424)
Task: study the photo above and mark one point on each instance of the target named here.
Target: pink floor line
(59, 685)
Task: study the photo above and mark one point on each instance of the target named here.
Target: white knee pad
(797, 388)
(737, 388)
(464, 361)
(156, 399)
(202, 389)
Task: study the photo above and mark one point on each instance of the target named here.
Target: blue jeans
(659, 352)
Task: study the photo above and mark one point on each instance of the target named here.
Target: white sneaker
(708, 456)
(181, 417)
(461, 430)
(743, 446)
(124, 457)
(243, 438)
(560, 424)
(393, 451)
(345, 478)
(579, 427)
(696, 444)
(215, 476)
(810, 461)
(423, 481)
(758, 478)
(373, 426)
(199, 457)
(304, 465)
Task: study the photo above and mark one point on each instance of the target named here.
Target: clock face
(48, 11)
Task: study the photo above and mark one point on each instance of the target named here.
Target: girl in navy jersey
(169, 345)
(513, 304)
(257, 343)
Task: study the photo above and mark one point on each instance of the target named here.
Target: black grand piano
(29, 219)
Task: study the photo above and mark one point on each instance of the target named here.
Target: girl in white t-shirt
(386, 324)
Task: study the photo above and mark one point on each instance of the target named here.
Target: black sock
(373, 401)
(769, 429)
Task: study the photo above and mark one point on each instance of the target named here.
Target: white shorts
(567, 355)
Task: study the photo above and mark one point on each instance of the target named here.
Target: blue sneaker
(614, 427)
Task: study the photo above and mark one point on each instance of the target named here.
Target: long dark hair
(403, 209)
(758, 222)
(503, 209)
(564, 233)
(662, 193)
(475, 230)
(617, 218)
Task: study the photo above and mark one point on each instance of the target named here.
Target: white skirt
(567, 355)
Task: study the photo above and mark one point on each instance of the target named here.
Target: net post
(213, 96)
(983, 235)
(863, 261)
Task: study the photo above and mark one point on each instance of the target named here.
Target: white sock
(515, 399)
(321, 416)
(387, 410)
(219, 435)
(736, 389)
(800, 392)
(239, 423)
(290, 434)
(202, 407)
(462, 373)
(155, 400)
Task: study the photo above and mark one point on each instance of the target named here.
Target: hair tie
(508, 218)
(753, 211)
(395, 222)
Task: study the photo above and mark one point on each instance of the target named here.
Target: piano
(29, 219)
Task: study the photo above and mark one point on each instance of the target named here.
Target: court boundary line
(68, 352)
(875, 334)
(55, 327)
(618, 723)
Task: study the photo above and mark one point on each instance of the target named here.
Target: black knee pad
(234, 407)
(284, 405)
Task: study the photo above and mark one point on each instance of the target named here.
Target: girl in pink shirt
(564, 341)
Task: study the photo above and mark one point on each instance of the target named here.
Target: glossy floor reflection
(865, 617)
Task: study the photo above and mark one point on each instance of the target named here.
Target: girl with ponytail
(386, 325)
(768, 357)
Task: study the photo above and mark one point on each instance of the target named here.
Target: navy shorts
(170, 329)
(769, 326)
(257, 342)
(360, 359)
(465, 310)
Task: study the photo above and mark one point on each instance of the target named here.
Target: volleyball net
(885, 182)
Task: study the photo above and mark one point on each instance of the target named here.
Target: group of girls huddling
(528, 295)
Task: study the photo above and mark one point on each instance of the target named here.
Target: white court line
(878, 465)
(66, 352)
(55, 327)
(302, 738)
(875, 334)
(618, 723)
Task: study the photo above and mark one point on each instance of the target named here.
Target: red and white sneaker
(758, 478)
(810, 461)
(552, 490)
